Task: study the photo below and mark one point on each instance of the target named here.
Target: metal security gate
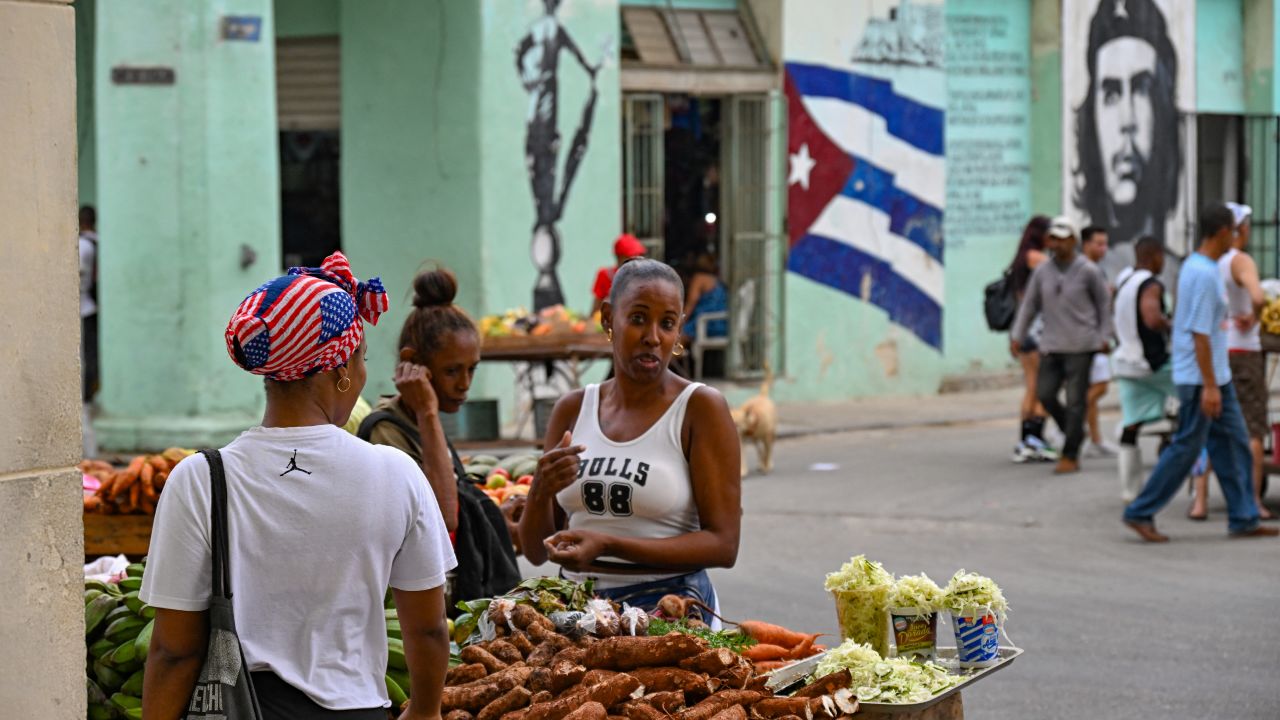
(644, 121)
(1262, 191)
(750, 256)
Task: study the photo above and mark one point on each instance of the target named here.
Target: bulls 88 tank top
(636, 489)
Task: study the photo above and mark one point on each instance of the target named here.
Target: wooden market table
(116, 535)
(564, 355)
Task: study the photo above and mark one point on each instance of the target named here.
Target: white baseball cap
(1240, 212)
(1062, 227)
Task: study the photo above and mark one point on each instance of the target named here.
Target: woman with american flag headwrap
(320, 523)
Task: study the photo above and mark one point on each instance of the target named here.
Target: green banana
(126, 702)
(393, 629)
(133, 602)
(122, 655)
(121, 611)
(108, 678)
(97, 585)
(142, 643)
(95, 691)
(101, 711)
(395, 654)
(395, 693)
(133, 686)
(391, 614)
(135, 570)
(125, 628)
(101, 647)
(131, 584)
(90, 594)
(133, 713)
(148, 612)
(97, 611)
(402, 679)
(489, 460)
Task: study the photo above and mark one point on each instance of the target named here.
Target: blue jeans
(1228, 443)
(646, 595)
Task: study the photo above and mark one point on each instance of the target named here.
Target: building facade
(856, 172)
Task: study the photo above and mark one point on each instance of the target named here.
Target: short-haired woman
(639, 488)
(320, 524)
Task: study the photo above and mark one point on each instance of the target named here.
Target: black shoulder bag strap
(224, 687)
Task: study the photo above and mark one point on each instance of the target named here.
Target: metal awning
(692, 51)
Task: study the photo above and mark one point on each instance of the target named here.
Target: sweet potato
(463, 674)
(92, 503)
(458, 715)
(669, 679)
(668, 702)
(629, 652)
(825, 685)
(124, 480)
(595, 677)
(733, 712)
(477, 654)
(473, 696)
(764, 652)
(711, 662)
(513, 699)
(522, 643)
(589, 711)
(641, 711)
(778, 707)
(504, 651)
(159, 463)
(708, 708)
(135, 494)
(147, 506)
(146, 480)
(608, 693)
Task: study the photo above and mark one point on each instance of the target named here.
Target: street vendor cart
(543, 361)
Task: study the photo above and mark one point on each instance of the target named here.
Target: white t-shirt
(321, 523)
(88, 257)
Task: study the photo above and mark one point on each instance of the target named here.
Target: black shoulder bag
(224, 688)
(999, 303)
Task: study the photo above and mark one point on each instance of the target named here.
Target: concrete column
(41, 536)
(189, 215)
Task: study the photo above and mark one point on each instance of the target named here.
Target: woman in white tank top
(639, 489)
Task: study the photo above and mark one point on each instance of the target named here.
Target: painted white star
(801, 165)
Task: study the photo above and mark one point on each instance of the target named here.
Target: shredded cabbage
(861, 588)
(972, 593)
(916, 591)
(885, 680)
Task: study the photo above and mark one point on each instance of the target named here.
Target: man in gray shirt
(1070, 293)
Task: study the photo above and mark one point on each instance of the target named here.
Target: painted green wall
(988, 169)
(1046, 107)
(411, 154)
(193, 176)
(1220, 57)
(306, 18)
(86, 128)
(1260, 31)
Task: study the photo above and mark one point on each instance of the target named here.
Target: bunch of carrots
(136, 488)
(776, 646)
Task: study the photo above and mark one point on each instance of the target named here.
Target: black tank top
(1155, 344)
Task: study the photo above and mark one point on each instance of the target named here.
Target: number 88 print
(618, 501)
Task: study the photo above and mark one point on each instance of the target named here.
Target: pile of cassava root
(531, 672)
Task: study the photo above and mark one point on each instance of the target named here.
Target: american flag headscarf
(305, 322)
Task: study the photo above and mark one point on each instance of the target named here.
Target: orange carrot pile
(775, 645)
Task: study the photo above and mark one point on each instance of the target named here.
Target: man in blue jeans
(1210, 412)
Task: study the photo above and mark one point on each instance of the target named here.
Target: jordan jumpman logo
(293, 465)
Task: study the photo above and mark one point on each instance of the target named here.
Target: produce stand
(1270, 347)
(565, 355)
(116, 534)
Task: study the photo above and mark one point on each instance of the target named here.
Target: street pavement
(1112, 628)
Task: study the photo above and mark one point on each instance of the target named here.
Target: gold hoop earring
(343, 388)
(678, 349)
(609, 334)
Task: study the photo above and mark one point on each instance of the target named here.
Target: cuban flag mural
(866, 170)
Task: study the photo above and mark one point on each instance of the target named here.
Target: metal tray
(788, 677)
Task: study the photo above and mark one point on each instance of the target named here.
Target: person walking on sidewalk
(1209, 412)
(1244, 343)
(1094, 247)
(1070, 293)
(1030, 255)
(1143, 375)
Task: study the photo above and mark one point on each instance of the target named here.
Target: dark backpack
(999, 303)
(486, 557)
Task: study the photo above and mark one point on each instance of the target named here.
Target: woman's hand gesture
(414, 384)
(575, 550)
(557, 468)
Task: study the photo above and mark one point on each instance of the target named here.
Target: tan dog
(757, 420)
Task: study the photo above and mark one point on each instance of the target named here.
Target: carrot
(159, 463)
(770, 634)
(804, 649)
(135, 465)
(135, 494)
(92, 503)
(765, 652)
(146, 479)
(771, 665)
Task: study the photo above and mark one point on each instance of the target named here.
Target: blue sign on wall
(242, 27)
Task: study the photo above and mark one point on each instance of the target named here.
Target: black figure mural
(537, 61)
(1129, 150)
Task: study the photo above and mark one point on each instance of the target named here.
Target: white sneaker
(1022, 453)
(1041, 452)
(1106, 449)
